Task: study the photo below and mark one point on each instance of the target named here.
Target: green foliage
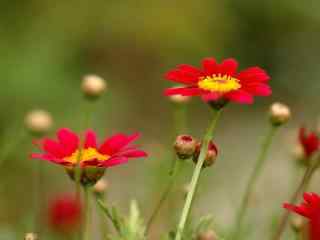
(128, 228)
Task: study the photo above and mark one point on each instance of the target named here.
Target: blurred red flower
(310, 142)
(114, 151)
(65, 214)
(219, 81)
(310, 209)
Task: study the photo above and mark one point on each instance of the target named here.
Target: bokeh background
(47, 46)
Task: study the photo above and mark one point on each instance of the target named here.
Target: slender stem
(103, 226)
(253, 179)
(78, 170)
(301, 188)
(165, 194)
(87, 213)
(106, 211)
(196, 175)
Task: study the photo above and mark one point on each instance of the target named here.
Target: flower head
(38, 121)
(65, 151)
(310, 142)
(93, 159)
(279, 114)
(215, 82)
(310, 209)
(93, 86)
(65, 213)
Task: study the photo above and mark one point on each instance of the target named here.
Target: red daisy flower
(310, 142)
(219, 81)
(114, 151)
(65, 214)
(310, 209)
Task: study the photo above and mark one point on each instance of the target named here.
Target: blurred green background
(47, 46)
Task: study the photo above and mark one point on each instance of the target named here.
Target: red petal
(258, 89)
(190, 70)
(212, 96)
(228, 66)
(116, 142)
(252, 74)
(210, 66)
(114, 161)
(91, 139)
(48, 157)
(54, 148)
(133, 153)
(69, 140)
(240, 96)
(181, 77)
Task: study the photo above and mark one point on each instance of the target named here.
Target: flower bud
(179, 99)
(297, 223)
(279, 114)
(185, 145)
(31, 236)
(101, 186)
(211, 155)
(38, 122)
(93, 86)
(207, 235)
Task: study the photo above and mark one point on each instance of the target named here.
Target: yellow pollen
(219, 83)
(86, 154)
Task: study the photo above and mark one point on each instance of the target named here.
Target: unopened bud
(207, 235)
(279, 114)
(179, 99)
(93, 86)
(38, 121)
(211, 155)
(297, 223)
(101, 186)
(31, 236)
(185, 146)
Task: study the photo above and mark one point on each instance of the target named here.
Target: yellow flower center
(219, 83)
(85, 155)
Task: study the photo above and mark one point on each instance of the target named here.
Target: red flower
(310, 209)
(310, 143)
(219, 81)
(65, 214)
(114, 151)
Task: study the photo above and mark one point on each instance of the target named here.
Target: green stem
(252, 180)
(87, 213)
(165, 194)
(196, 175)
(103, 227)
(314, 163)
(78, 170)
(104, 209)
